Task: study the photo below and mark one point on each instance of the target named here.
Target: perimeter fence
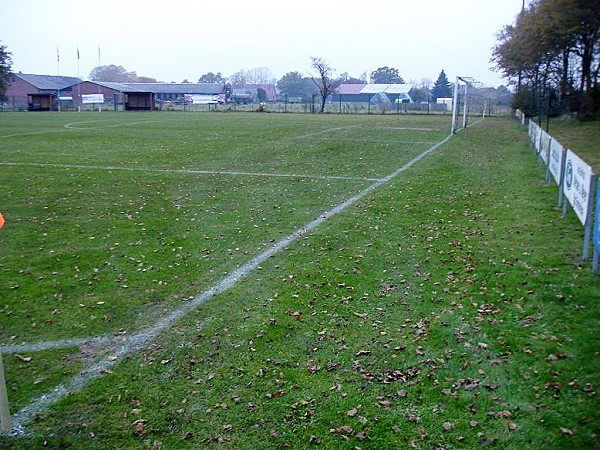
(576, 183)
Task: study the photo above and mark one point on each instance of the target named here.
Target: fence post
(561, 186)
(596, 240)
(588, 226)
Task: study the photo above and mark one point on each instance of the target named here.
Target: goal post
(454, 106)
(469, 95)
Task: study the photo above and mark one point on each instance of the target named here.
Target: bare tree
(239, 78)
(260, 75)
(325, 83)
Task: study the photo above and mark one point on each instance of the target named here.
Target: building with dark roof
(40, 92)
(123, 93)
(104, 92)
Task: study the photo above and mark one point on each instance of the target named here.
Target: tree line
(295, 85)
(551, 55)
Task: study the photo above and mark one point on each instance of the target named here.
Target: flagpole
(78, 84)
(98, 66)
(57, 74)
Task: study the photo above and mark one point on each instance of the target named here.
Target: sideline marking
(140, 339)
(190, 171)
(98, 341)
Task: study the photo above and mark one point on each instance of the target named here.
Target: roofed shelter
(133, 97)
(139, 101)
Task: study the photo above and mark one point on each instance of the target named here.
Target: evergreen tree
(441, 87)
(5, 72)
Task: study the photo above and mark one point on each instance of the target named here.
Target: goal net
(469, 100)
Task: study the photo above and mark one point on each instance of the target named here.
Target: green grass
(447, 309)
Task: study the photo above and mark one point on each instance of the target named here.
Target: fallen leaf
(566, 431)
(412, 417)
(296, 315)
(312, 368)
(139, 426)
(500, 414)
(361, 436)
(344, 430)
(276, 394)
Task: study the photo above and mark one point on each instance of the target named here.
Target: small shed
(41, 102)
(139, 101)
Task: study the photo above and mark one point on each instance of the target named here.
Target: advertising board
(577, 185)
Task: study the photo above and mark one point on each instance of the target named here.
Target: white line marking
(329, 130)
(71, 127)
(142, 338)
(61, 343)
(189, 171)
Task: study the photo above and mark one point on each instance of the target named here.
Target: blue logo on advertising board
(569, 174)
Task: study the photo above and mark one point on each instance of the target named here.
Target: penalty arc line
(142, 338)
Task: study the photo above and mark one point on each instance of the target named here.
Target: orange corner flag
(1, 221)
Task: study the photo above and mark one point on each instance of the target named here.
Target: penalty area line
(141, 339)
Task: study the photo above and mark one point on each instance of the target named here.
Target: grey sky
(184, 39)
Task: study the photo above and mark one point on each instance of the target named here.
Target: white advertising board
(87, 99)
(577, 185)
(544, 145)
(537, 138)
(204, 99)
(531, 132)
(555, 160)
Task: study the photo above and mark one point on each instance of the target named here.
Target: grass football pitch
(243, 280)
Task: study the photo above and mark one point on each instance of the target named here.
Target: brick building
(38, 92)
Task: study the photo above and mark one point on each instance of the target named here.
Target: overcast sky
(184, 39)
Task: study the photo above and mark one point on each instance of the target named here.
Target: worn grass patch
(448, 309)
